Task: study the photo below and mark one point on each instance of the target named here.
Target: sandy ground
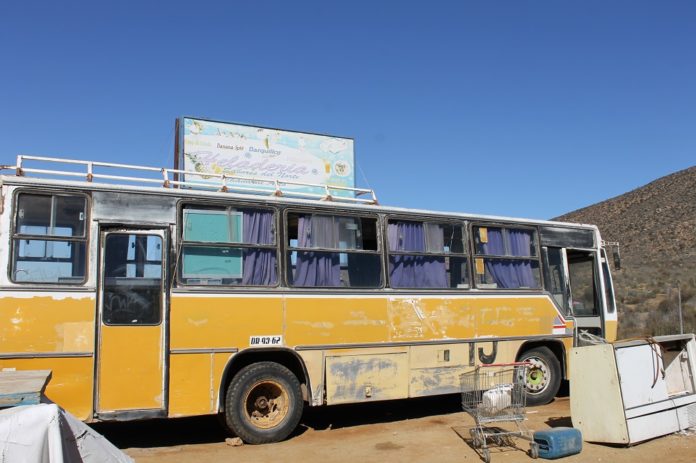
(432, 429)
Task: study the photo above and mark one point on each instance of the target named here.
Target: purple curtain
(259, 264)
(510, 273)
(316, 268)
(495, 245)
(413, 271)
(520, 243)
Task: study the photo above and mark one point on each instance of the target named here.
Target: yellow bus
(155, 300)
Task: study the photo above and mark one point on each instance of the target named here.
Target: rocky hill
(656, 228)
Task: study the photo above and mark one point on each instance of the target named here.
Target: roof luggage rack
(169, 178)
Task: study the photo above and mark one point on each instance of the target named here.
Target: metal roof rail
(169, 178)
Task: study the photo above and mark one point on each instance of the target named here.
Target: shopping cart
(493, 394)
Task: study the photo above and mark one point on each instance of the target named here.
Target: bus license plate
(265, 341)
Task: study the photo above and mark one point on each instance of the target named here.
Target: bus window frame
(608, 280)
(85, 238)
(163, 291)
(218, 205)
(599, 301)
(287, 249)
(548, 278)
(507, 225)
(466, 244)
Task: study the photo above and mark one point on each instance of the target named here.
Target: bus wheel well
(288, 359)
(556, 347)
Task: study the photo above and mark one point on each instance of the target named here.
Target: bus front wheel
(263, 403)
(543, 377)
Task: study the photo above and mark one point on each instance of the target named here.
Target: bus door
(585, 294)
(572, 280)
(131, 360)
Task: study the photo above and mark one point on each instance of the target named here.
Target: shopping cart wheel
(487, 455)
(476, 440)
(534, 450)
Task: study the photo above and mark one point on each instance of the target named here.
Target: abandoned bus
(166, 301)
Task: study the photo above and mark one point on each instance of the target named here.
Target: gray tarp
(46, 433)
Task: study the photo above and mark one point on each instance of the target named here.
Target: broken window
(506, 258)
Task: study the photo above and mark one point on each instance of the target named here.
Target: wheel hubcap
(266, 404)
(537, 375)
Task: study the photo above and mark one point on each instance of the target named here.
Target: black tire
(263, 403)
(543, 378)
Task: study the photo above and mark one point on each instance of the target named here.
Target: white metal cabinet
(631, 391)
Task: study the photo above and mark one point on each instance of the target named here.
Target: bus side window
(427, 255)
(226, 246)
(333, 251)
(49, 241)
(506, 258)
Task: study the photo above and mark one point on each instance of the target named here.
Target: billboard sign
(268, 154)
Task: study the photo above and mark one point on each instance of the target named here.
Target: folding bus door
(131, 360)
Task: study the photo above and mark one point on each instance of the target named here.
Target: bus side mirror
(617, 258)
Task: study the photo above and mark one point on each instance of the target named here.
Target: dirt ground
(431, 429)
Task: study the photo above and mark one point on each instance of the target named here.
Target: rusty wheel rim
(266, 404)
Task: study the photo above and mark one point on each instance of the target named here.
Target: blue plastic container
(558, 442)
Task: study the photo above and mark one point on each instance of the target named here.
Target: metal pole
(681, 319)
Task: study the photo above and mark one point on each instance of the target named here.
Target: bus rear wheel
(543, 375)
(263, 403)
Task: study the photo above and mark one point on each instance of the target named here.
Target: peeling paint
(360, 318)
(365, 322)
(366, 377)
(317, 394)
(197, 322)
(433, 318)
(405, 319)
(77, 336)
(315, 325)
(35, 324)
(435, 381)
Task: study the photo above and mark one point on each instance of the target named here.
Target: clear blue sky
(521, 108)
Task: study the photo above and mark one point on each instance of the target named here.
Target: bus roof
(269, 198)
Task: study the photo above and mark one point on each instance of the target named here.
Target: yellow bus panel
(336, 320)
(194, 382)
(71, 381)
(131, 368)
(610, 330)
(222, 322)
(34, 323)
(191, 384)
